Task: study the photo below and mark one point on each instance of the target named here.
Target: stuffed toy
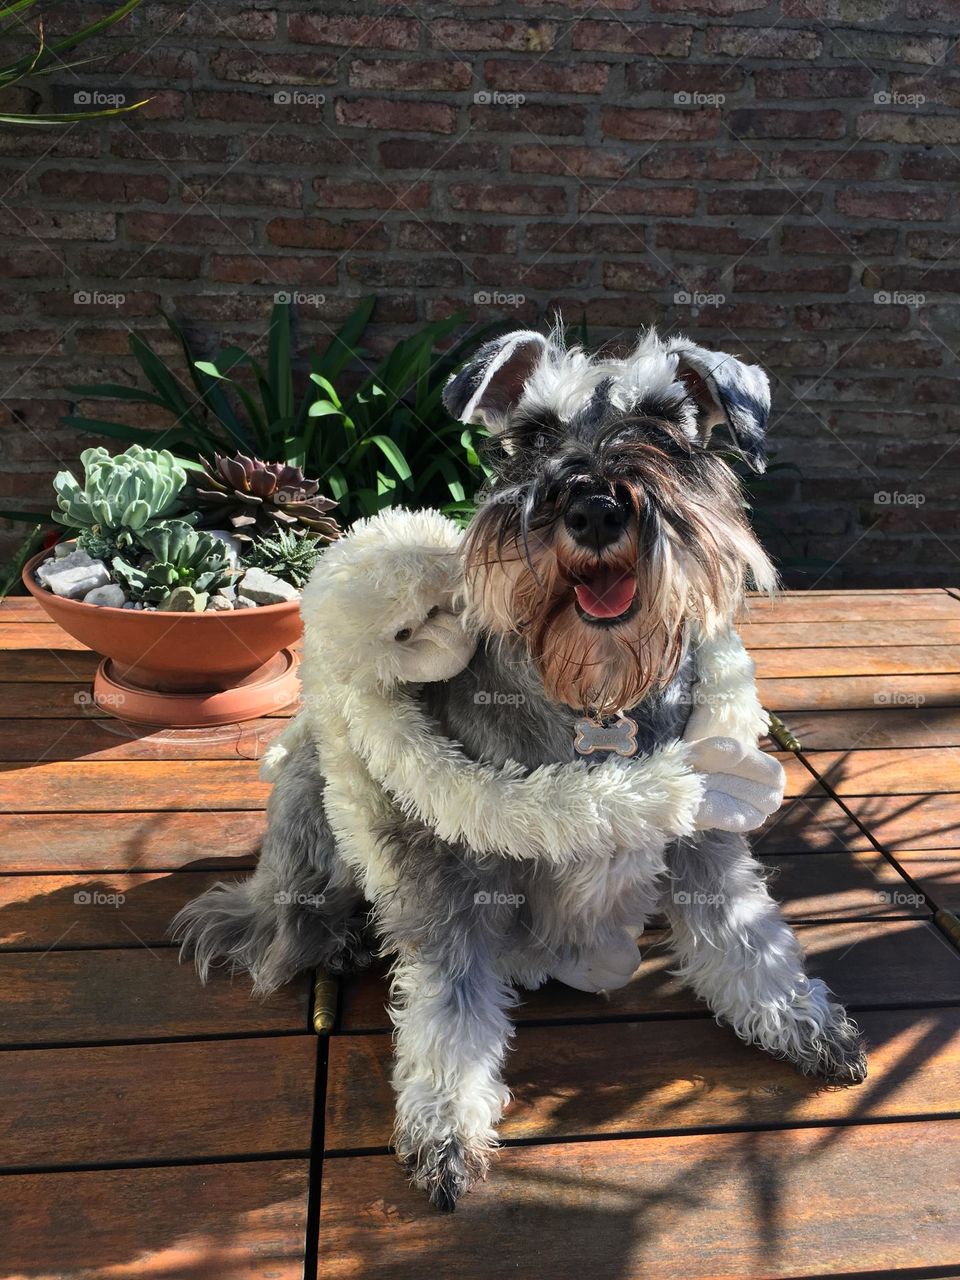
(396, 578)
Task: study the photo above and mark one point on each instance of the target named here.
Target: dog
(609, 543)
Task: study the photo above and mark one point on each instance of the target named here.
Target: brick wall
(777, 180)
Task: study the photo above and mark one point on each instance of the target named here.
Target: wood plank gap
(157, 1163)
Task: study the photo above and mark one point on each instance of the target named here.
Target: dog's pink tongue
(608, 594)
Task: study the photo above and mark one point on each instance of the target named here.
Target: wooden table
(151, 1127)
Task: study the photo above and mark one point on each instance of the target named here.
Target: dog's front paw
(445, 1170)
(835, 1050)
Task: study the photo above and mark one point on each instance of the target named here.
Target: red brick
(332, 194)
(453, 33)
(162, 104)
(131, 144)
(916, 353)
(396, 273)
(632, 312)
(51, 224)
(456, 237)
(236, 187)
(725, 240)
(918, 279)
(851, 315)
(873, 46)
(580, 162)
(892, 126)
(193, 228)
(634, 276)
(530, 118)
(397, 114)
(763, 42)
(409, 153)
(354, 32)
(930, 166)
(239, 107)
(538, 275)
(545, 77)
(846, 242)
(652, 125)
(496, 198)
(940, 88)
(820, 83)
(910, 206)
(32, 342)
(283, 272)
(736, 317)
(666, 201)
(157, 263)
(764, 122)
(936, 391)
(409, 73)
(110, 188)
(837, 165)
(712, 8)
(655, 40)
(586, 238)
(247, 66)
(316, 151)
(247, 24)
(158, 63)
(764, 202)
(676, 77)
(38, 142)
(315, 233)
(24, 264)
(929, 245)
(693, 162)
(796, 280)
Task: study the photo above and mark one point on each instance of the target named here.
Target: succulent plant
(256, 498)
(174, 554)
(121, 494)
(286, 555)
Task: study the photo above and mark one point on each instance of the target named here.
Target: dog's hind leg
(744, 960)
(300, 909)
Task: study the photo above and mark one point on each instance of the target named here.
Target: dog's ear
(727, 391)
(489, 386)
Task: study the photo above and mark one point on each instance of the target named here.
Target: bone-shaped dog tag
(619, 737)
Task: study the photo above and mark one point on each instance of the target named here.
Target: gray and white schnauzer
(610, 535)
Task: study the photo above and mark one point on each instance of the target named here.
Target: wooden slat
(890, 630)
(63, 912)
(64, 699)
(148, 841)
(871, 693)
(909, 821)
(70, 997)
(813, 822)
(78, 787)
(936, 872)
(808, 1202)
(869, 964)
(105, 738)
(21, 609)
(36, 635)
(625, 1078)
(876, 660)
(842, 886)
(28, 665)
(887, 772)
(148, 1102)
(241, 1221)
(857, 606)
(878, 727)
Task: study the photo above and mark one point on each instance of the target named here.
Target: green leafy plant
(120, 495)
(44, 58)
(257, 498)
(174, 554)
(286, 555)
(387, 440)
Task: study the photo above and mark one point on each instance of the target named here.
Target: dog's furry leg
(300, 909)
(741, 957)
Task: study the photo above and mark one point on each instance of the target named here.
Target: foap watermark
(888, 98)
(496, 98)
(97, 298)
(298, 98)
(684, 99)
(898, 698)
(97, 898)
(285, 297)
(896, 298)
(493, 898)
(497, 698)
(288, 898)
(697, 898)
(684, 299)
(98, 99)
(496, 298)
(894, 498)
(899, 898)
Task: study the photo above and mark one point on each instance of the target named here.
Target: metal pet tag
(620, 736)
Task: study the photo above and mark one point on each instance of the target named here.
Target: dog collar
(616, 736)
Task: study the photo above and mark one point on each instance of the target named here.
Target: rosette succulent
(255, 498)
(173, 554)
(120, 495)
(286, 556)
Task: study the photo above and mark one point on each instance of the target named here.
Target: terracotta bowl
(182, 668)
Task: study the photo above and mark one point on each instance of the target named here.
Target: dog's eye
(432, 613)
(403, 634)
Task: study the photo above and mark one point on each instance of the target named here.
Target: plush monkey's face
(427, 643)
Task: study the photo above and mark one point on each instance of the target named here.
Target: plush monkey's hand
(742, 786)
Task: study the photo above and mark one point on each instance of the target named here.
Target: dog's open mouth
(605, 596)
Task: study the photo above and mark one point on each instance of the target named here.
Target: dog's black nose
(596, 520)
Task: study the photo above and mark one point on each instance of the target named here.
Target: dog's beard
(565, 602)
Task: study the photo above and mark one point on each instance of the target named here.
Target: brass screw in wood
(781, 734)
(324, 1003)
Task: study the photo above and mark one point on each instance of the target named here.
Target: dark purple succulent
(255, 498)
